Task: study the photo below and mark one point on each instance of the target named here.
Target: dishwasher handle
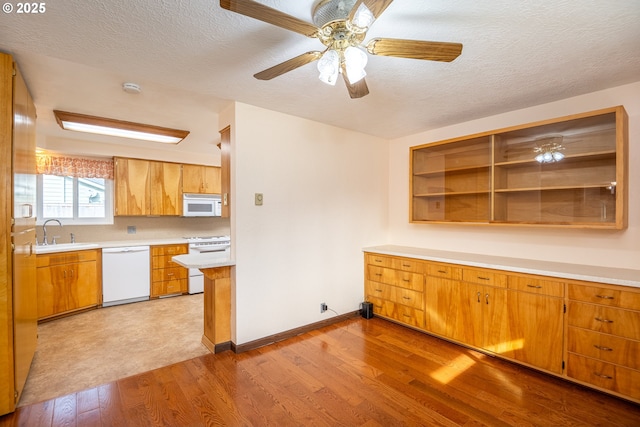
(126, 249)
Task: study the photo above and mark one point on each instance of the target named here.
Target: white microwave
(201, 205)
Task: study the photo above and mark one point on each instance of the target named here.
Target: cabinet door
(165, 189)
(535, 330)
(52, 290)
(212, 177)
(84, 286)
(132, 187)
(192, 179)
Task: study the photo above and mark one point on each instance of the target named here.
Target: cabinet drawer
(408, 297)
(408, 315)
(604, 347)
(484, 277)
(379, 260)
(389, 276)
(611, 377)
(66, 257)
(379, 290)
(536, 285)
(401, 313)
(611, 296)
(608, 320)
(444, 270)
(169, 274)
(169, 249)
(382, 307)
(168, 287)
(407, 264)
(163, 261)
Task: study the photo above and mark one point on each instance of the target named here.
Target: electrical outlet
(323, 307)
(131, 229)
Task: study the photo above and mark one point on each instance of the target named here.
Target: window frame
(108, 205)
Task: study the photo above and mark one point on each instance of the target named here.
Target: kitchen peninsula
(217, 297)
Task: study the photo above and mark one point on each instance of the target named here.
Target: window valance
(74, 166)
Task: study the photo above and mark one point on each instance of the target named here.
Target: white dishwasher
(125, 275)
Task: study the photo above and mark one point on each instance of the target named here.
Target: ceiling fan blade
(357, 90)
(415, 49)
(287, 66)
(269, 15)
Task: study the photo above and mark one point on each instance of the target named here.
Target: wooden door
(165, 189)
(132, 187)
(25, 313)
(84, 284)
(535, 330)
(225, 180)
(441, 298)
(52, 290)
(495, 334)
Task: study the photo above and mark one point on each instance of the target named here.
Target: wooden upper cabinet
(201, 179)
(566, 172)
(131, 187)
(144, 187)
(165, 189)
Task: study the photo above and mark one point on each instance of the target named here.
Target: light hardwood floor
(355, 373)
(104, 345)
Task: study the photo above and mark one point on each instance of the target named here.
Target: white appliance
(201, 205)
(216, 247)
(125, 275)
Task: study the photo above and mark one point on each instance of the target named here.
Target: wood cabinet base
(217, 308)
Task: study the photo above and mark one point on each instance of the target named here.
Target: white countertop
(590, 273)
(79, 246)
(202, 260)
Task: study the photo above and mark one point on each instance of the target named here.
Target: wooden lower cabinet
(167, 277)
(603, 337)
(68, 282)
(583, 331)
(395, 286)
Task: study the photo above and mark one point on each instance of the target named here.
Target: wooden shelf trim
(552, 188)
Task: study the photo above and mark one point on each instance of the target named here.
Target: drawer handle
(378, 290)
(599, 347)
(406, 297)
(406, 280)
(169, 274)
(478, 296)
(606, 377)
(378, 260)
(534, 286)
(442, 271)
(604, 297)
(406, 265)
(406, 315)
(599, 319)
(378, 274)
(487, 298)
(483, 278)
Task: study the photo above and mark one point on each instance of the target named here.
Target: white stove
(215, 246)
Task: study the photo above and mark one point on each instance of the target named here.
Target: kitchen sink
(64, 247)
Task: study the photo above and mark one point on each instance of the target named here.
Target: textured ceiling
(191, 58)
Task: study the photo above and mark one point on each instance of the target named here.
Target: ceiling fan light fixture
(363, 17)
(354, 61)
(329, 67)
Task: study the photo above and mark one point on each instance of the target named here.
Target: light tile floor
(103, 345)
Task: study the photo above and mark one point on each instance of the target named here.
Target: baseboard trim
(291, 333)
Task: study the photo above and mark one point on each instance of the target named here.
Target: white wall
(597, 247)
(325, 193)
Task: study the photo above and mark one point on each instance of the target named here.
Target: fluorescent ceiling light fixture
(119, 128)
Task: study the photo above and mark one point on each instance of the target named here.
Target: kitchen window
(76, 191)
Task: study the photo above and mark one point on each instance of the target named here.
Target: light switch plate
(258, 199)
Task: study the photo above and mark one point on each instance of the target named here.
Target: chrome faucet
(44, 231)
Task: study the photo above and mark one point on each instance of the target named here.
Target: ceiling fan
(341, 25)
